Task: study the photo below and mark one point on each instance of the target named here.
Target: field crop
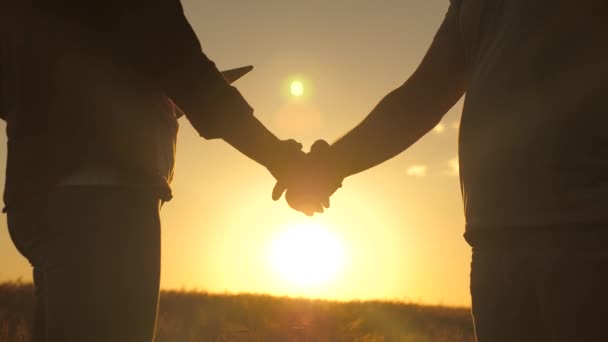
(198, 316)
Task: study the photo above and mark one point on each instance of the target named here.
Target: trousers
(95, 253)
(542, 286)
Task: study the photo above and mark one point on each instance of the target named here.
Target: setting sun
(307, 254)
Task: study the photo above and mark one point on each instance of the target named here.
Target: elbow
(432, 119)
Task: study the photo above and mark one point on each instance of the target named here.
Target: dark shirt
(89, 81)
(533, 137)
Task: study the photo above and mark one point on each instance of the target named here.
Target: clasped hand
(307, 179)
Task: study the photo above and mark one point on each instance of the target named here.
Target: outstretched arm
(398, 121)
(215, 108)
(410, 111)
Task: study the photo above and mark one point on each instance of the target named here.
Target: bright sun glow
(297, 88)
(307, 254)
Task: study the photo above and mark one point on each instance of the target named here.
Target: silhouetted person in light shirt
(90, 91)
(533, 150)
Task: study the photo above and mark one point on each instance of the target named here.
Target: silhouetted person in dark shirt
(533, 152)
(90, 92)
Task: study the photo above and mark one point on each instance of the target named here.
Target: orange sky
(400, 224)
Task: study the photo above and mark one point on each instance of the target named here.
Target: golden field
(189, 316)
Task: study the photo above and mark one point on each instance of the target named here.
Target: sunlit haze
(393, 232)
(308, 255)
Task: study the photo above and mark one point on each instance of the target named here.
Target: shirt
(533, 144)
(94, 82)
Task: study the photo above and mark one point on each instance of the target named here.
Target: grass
(198, 316)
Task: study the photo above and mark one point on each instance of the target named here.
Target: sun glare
(297, 88)
(307, 254)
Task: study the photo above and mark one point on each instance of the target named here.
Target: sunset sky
(393, 232)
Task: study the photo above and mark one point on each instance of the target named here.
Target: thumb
(278, 190)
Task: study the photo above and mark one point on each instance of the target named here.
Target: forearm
(396, 123)
(409, 112)
(249, 136)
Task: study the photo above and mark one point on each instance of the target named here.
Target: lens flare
(296, 88)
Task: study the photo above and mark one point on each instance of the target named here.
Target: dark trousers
(550, 286)
(96, 258)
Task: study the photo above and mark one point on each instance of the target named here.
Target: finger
(319, 146)
(325, 202)
(312, 212)
(317, 208)
(320, 209)
(278, 190)
(294, 144)
(308, 208)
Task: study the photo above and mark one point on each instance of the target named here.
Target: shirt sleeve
(455, 3)
(452, 17)
(450, 31)
(192, 80)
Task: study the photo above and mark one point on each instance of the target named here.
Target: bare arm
(410, 111)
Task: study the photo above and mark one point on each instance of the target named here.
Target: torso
(533, 142)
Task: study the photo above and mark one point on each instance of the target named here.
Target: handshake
(307, 179)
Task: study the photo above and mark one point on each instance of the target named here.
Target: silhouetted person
(89, 92)
(533, 152)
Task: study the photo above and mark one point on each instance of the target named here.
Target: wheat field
(189, 316)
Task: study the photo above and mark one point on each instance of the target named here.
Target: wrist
(331, 159)
(337, 164)
(271, 152)
(281, 156)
